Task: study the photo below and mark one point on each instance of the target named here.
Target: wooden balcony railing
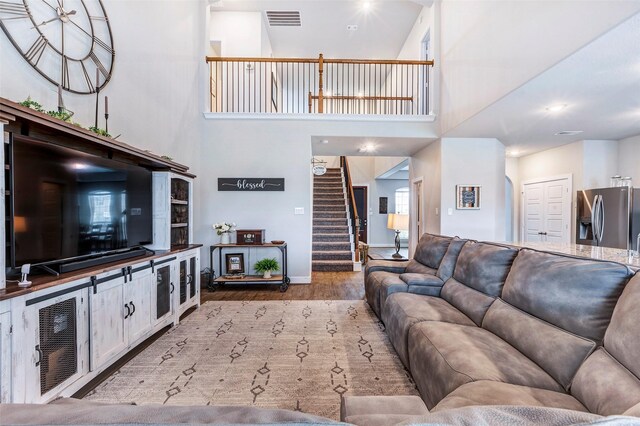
(331, 86)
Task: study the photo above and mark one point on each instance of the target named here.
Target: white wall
(427, 165)
(467, 161)
(629, 159)
(600, 162)
(240, 33)
(489, 48)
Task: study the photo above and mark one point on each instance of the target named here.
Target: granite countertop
(601, 253)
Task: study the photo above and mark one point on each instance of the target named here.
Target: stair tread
(333, 262)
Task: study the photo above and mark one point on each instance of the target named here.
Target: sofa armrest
(368, 408)
(385, 265)
(425, 284)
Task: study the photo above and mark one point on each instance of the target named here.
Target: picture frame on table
(468, 197)
(235, 263)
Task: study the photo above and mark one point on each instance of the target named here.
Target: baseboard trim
(300, 280)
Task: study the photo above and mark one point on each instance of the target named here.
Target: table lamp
(398, 222)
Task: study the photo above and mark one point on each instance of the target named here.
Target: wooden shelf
(180, 202)
(249, 279)
(179, 225)
(249, 245)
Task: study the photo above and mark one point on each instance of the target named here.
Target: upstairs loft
(319, 86)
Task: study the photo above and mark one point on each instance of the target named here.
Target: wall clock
(69, 42)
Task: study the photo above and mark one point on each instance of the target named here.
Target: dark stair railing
(353, 211)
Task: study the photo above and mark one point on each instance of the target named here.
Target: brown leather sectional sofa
(481, 324)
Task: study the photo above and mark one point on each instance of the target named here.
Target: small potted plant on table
(266, 266)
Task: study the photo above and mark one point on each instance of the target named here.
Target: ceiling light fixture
(569, 132)
(79, 166)
(556, 108)
(367, 148)
(324, 141)
(366, 6)
(513, 153)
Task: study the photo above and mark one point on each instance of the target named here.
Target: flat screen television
(70, 205)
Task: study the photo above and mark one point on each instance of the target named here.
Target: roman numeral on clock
(65, 72)
(36, 50)
(13, 11)
(87, 78)
(102, 44)
(101, 67)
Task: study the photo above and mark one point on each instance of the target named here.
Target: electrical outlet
(298, 210)
(450, 211)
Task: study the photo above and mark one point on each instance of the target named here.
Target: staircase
(332, 247)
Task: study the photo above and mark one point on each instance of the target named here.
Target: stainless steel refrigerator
(608, 217)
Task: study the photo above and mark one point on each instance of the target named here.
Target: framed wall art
(468, 197)
(235, 263)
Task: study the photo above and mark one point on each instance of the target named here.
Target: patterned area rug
(296, 355)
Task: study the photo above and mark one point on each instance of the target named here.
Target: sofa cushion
(557, 351)
(445, 356)
(485, 392)
(448, 264)
(425, 284)
(378, 285)
(385, 265)
(478, 278)
(622, 338)
(605, 386)
(403, 310)
(413, 266)
(431, 249)
(575, 294)
(484, 267)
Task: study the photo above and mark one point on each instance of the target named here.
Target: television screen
(69, 204)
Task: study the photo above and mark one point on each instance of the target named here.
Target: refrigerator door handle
(594, 219)
(601, 220)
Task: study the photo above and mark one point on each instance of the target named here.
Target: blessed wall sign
(251, 184)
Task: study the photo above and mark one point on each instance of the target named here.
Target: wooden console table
(283, 279)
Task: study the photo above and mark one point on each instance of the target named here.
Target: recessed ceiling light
(324, 141)
(513, 153)
(556, 108)
(569, 132)
(367, 148)
(79, 166)
(366, 6)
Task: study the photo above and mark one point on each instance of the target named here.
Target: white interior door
(547, 210)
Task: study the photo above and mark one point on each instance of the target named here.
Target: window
(100, 204)
(402, 207)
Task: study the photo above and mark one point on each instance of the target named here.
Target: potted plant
(224, 229)
(265, 266)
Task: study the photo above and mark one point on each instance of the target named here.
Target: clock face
(68, 42)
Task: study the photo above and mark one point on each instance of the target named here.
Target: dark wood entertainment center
(137, 296)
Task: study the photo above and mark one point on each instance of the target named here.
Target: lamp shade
(19, 224)
(398, 222)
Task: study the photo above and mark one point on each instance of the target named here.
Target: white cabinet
(188, 292)
(120, 312)
(53, 345)
(138, 297)
(5, 356)
(172, 210)
(163, 289)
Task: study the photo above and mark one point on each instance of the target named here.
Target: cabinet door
(161, 305)
(5, 357)
(184, 280)
(108, 335)
(138, 297)
(194, 277)
(57, 327)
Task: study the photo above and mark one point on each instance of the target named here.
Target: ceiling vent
(569, 132)
(283, 18)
